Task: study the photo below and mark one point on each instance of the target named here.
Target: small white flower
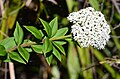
(89, 28)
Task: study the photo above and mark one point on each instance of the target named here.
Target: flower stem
(59, 38)
(33, 43)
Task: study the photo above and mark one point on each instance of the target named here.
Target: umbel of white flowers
(89, 28)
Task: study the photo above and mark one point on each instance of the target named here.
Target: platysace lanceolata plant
(49, 43)
(89, 28)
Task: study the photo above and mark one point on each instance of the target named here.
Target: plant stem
(11, 69)
(2, 33)
(33, 43)
(93, 61)
(62, 37)
(5, 77)
(22, 45)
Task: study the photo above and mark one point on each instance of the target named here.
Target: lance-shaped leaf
(61, 32)
(24, 53)
(60, 42)
(54, 26)
(15, 56)
(47, 46)
(34, 31)
(8, 58)
(56, 53)
(59, 47)
(95, 4)
(18, 34)
(8, 43)
(47, 27)
(37, 48)
(49, 59)
(2, 51)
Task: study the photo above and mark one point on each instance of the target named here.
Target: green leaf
(47, 27)
(59, 47)
(34, 31)
(8, 58)
(73, 61)
(84, 58)
(49, 59)
(15, 56)
(61, 32)
(54, 26)
(18, 34)
(37, 48)
(60, 42)
(2, 51)
(8, 43)
(11, 19)
(24, 53)
(26, 41)
(29, 49)
(41, 33)
(56, 53)
(70, 5)
(47, 46)
(95, 4)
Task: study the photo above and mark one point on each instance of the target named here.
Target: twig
(5, 35)
(115, 4)
(85, 2)
(46, 66)
(102, 5)
(53, 1)
(93, 59)
(116, 27)
(22, 45)
(28, 2)
(106, 61)
(11, 70)
(42, 58)
(115, 36)
(2, 7)
(89, 67)
(5, 69)
(111, 18)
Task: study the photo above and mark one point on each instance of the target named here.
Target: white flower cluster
(89, 28)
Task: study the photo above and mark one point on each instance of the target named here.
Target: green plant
(48, 44)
